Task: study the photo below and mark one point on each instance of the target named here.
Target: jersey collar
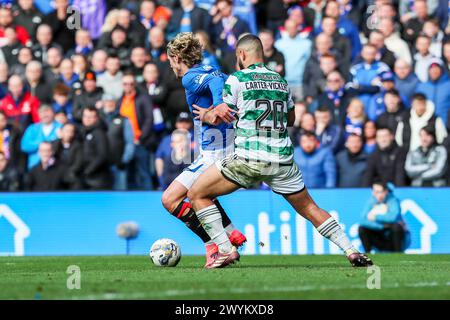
(256, 65)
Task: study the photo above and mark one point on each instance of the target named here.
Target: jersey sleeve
(202, 82)
(231, 92)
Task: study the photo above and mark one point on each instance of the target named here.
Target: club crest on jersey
(26, 107)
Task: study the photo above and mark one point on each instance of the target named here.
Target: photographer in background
(382, 226)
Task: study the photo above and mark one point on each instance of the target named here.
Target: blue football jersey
(204, 86)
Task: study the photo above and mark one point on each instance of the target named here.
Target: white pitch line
(193, 292)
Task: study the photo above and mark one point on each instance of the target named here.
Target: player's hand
(203, 114)
(224, 112)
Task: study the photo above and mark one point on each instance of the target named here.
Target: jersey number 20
(274, 108)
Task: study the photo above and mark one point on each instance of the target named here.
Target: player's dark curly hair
(187, 47)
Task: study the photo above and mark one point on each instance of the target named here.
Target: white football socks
(211, 221)
(331, 230)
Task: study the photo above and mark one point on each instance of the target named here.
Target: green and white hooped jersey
(262, 100)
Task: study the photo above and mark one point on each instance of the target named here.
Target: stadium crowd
(89, 102)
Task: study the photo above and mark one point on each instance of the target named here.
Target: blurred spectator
(423, 57)
(354, 121)
(209, 57)
(408, 9)
(377, 103)
(382, 226)
(68, 76)
(121, 141)
(157, 92)
(98, 61)
(19, 105)
(443, 16)
(308, 122)
(37, 84)
(387, 162)
(318, 164)
(139, 58)
(432, 31)
(427, 165)
(23, 58)
(10, 51)
(51, 69)
(28, 16)
(393, 40)
(80, 65)
(62, 118)
(351, 163)
(376, 38)
(296, 14)
(111, 80)
(336, 97)
(152, 15)
(340, 43)
(296, 51)
(10, 143)
(437, 89)
(246, 11)
(89, 96)
(47, 174)
(44, 41)
(414, 24)
(328, 134)
(273, 59)
(9, 179)
(58, 21)
(276, 14)
(83, 43)
(421, 115)
(188, 18)
(318, 67)
(157, 45)
(317, 7)
(134, 31)
(395, 111)
(346, 27)
(96, 173)
(366, 74)
(370, 133)
(446, 56)
(69, 153)
(44, 131)
(137, 107)
(406, 81)
(227, 27)
(119, 46)
(7, 20)
(62, 101)
(174, 151)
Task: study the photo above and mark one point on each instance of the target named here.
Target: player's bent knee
(192, 195)
(169, 202)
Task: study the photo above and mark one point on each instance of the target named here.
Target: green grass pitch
(255, 277)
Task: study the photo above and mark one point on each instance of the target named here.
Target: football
(165, 253)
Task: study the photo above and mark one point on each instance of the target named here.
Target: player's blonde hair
(187, 47)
